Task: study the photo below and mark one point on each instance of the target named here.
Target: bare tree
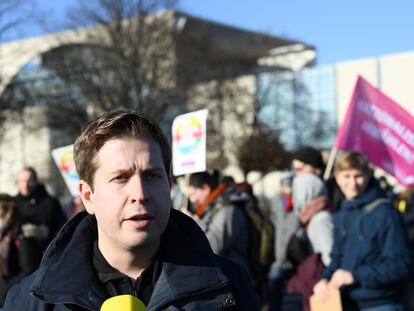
(13, 15)
(262, 151)
(128, 62)
(228, 121)
(136, 57)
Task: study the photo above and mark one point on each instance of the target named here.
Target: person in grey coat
(318, 227)
(225, 225)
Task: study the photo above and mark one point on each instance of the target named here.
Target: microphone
(123, 302)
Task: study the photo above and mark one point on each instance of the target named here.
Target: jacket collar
(189, 265)
(66, 274)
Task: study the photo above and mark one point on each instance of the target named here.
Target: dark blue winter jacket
(372, 245)
(191, 278)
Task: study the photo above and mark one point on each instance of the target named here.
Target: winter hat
(309, 155)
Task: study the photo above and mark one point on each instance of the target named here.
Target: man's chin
(143, 242)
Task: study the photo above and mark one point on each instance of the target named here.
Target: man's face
(301, 168)
(198, 195)
(26, 183)
(131, 195)
(352, 182)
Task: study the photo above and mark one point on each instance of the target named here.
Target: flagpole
(330, 163)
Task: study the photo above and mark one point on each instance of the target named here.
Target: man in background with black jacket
(41, 215)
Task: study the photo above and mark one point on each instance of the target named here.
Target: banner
(189, 137)
(379, 128)
(63, 158)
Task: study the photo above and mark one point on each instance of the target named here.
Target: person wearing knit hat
(308, 160)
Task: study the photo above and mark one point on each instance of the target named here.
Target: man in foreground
(130, 241)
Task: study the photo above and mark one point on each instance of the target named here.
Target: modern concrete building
(277, 73)
(393, 74)
(219, 54)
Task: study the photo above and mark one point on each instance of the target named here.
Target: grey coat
(286, 225)
(226, 227)
(305, 188)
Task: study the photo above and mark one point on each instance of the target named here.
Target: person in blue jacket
(130, 241)
(371, 257)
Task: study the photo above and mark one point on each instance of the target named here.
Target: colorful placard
(189, 137)
(63, 158)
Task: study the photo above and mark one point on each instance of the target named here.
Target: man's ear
(86, 195)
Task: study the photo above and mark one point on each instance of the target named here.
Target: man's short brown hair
(352, 160)
(111, 125)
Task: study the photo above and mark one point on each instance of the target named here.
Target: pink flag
(379, 128)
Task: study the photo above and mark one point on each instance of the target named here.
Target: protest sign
(63, 158)
(189, 137)
(379, 128)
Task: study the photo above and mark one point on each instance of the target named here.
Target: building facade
(323, 93)
(212, 65)
(235, 73)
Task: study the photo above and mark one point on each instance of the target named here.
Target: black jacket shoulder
(192, 277)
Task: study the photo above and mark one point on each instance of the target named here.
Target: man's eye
(120, 178)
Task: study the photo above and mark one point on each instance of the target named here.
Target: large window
(299, 106)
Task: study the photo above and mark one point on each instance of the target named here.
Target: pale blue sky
(340, 30)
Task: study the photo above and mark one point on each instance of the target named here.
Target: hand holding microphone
(123, 303)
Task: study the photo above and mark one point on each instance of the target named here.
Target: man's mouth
(139, 221)
(138, 217)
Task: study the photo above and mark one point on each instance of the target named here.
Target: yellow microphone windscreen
(124, 303)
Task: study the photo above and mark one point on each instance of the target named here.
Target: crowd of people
(347, 233)
(351, 233)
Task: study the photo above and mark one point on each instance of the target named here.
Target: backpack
(261, 240)
(261, 233)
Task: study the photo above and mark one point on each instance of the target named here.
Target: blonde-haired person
(370, 259)
(17, 254)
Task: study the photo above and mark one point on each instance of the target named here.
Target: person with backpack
(229, 214)
(225, 225)
(371, 258)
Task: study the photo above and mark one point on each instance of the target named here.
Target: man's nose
(137, 190)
